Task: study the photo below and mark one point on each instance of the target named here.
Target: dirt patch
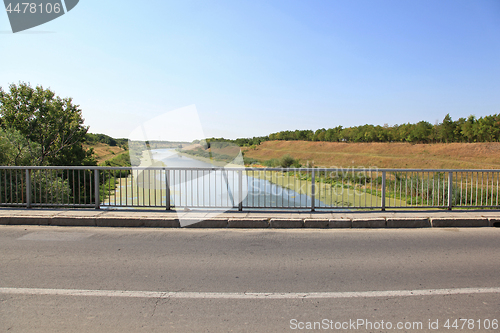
(104, 152)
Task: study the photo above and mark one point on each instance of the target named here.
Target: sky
(251, 68)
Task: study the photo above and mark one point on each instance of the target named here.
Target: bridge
(250, 197)
(413, 249)
(330, 189)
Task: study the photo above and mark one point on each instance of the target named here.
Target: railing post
(28, 188)
(97, 196)
(167, 187)
(383, 190)
(313, 190)
(240, 190)
(450, 189)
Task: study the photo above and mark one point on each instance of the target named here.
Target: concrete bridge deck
(249, 219)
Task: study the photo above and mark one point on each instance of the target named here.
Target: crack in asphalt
(157, 301)
(166, 296)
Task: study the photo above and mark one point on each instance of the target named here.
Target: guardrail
(245, 188)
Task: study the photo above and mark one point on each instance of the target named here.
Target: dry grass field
(383, 155)
(104, 152)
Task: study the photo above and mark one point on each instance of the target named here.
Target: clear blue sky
(256, 67)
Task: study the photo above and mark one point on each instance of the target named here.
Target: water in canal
(200, 184)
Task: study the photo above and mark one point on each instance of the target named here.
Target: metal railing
(245, 188)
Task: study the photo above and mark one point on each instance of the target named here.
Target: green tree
(447, 129)
(14, 148)
(467, 129)
(53, 126)
(420, 132)
(333, 134)
(319, 135)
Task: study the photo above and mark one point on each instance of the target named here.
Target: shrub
(287, 161)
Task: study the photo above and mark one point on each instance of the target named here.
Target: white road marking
(222, 295)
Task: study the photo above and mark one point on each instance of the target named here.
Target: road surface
(56, 279)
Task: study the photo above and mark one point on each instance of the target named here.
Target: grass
(104, 152)
(220, 156)
(348, 191)
(126, 190)
(375, 155)
(383, 155)
(331, 193)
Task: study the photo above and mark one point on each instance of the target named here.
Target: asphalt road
(56, 279)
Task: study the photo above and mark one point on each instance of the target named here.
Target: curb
(377, 222)
(161, 223)
(210, 223)
(494, 222)
(118, 222)
(444, 222)
(23, 220)
(286, 223)
(250, 223)
(393, 222)
(73, 221)
(340, 223)
(316, 223)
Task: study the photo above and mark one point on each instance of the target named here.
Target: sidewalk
(249, 219)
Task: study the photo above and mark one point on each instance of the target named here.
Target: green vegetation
(470, 129)
(122, 160)
(332, 192)
(249, 160)
(383, 154)
(347, 188)
(41, 129)
(241, 142)
(286, 161)
(14, 148)
(200, 152)
(47, 126)
(47, 186)
(110, 179)
(221, 151)
(91, 139)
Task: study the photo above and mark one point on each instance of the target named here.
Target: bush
(272, 163)
(249, 160)
(287, 161)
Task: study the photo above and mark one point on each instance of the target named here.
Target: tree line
(470, 129)
(91, 138)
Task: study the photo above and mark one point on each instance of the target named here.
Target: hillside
(104, 152)
(383, 155)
